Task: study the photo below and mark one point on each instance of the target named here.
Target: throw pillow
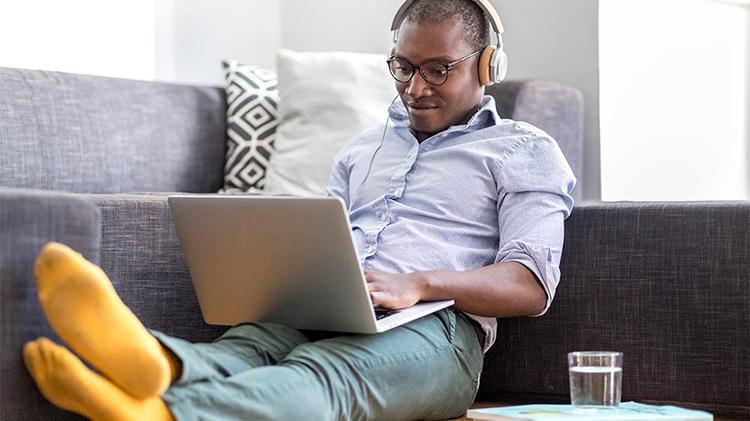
(252, 119)
(327, 98)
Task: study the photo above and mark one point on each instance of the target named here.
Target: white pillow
(326, 99)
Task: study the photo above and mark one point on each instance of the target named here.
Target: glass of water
(595, 379)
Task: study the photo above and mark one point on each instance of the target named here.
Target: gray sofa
(88, 161)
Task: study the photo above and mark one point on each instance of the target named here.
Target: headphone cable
(372, 158)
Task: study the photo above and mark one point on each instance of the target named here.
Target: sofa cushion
(28, 220)
(252, 118)
(319, 117)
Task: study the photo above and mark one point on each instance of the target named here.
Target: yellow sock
(85, 311)
(66, 382)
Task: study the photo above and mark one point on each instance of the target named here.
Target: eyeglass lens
(432, 72)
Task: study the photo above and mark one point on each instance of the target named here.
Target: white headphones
(493, 63)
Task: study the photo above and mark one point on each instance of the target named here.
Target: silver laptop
(284, 259)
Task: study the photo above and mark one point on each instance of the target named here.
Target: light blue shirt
(492, 190)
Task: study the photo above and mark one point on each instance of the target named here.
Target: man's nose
(417, 86)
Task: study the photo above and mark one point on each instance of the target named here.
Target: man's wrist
(428, 285)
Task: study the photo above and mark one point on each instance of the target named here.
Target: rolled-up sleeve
(534, 186)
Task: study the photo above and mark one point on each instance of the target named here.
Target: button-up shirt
(491, 190)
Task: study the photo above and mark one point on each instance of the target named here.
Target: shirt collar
(484, 117)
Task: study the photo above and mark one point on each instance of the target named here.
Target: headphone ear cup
(501, 66)
(485, 61)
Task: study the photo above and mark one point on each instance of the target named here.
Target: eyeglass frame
(418, 67)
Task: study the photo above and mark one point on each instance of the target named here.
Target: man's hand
(395, 291)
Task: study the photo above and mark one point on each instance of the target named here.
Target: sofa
(89, 161)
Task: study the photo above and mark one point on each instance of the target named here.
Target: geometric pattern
(252, 118)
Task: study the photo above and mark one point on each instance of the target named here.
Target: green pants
(427, 369)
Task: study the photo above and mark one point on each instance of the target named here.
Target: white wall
(673, 103)
(180, 41)
(361, 25)
(558, 40)
(194, 36)
(112, 38)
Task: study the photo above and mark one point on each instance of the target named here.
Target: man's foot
(86, 312)
(66, 382)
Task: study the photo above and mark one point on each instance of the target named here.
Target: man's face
(434, 108)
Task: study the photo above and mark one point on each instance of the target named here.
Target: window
(674, 99)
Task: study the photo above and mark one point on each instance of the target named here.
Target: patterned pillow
(252, 118)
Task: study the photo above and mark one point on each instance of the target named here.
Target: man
(447, 201)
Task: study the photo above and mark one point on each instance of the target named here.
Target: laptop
(282, 259)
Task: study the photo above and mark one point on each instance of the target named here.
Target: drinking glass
(595, 379)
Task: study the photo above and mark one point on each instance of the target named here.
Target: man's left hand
(395, 291)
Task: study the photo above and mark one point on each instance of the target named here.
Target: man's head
(441, 31)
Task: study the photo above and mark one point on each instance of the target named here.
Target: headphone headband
(485, 5)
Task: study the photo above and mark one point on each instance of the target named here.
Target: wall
(362, 25)
(113, 38)
(180, 41)
(194, 36)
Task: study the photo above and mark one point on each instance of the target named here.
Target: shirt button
(369, 249)
(383, 216)
(397, 192)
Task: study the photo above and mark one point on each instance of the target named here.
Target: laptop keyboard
(383, 312)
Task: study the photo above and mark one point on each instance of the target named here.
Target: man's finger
(375, 297)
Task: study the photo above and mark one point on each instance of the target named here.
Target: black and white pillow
(252, 119)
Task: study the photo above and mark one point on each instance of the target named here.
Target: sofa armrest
(666, 283)
(28, 220)
(141, 253)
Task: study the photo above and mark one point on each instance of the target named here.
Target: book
(627, 411)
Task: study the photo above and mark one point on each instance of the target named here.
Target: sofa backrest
(89, 134)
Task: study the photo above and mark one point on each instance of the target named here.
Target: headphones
(493, 62)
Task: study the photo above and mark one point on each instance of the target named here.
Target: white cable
(372, 159)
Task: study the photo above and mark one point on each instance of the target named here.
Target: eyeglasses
(432, 72)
